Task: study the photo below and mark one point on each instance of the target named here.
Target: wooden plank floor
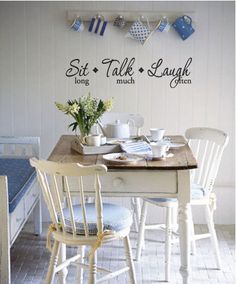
(29, 258)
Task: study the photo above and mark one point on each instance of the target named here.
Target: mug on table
(159, 149)
(157, 134)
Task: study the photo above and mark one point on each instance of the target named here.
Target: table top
(183, 158)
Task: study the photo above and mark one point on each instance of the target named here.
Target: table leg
(184, 196)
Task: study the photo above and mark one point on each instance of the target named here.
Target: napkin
(139, 147)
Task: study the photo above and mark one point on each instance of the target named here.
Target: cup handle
(141, 18)
(84, 140)
(189, 19)
(131, 121)
(148, 23)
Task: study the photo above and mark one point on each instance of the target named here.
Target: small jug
(183, 26)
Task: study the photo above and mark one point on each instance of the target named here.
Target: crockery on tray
(93, 140)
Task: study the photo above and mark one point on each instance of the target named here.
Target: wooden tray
(93, 150)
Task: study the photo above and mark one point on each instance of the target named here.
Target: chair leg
(80, 270)
(132, 203)
(129, 260)
(141, 230)
(62, 257)
(192, 234)
(211, 227)
(92, 268)
(53, 263)
(168, 233)
(37, 215)
(137, 212)
(174, 219)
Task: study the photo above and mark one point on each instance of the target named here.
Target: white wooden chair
(208, 145)
(86, 224)
(135, 130)
(19, 195)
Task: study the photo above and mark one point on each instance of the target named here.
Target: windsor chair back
(88, 224)
(207, 145)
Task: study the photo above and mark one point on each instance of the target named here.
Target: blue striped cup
(97, 25)
(77, 25)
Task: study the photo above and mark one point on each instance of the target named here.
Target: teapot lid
(117, 122)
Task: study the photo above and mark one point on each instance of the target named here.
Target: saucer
(122, 158)
(161, 158)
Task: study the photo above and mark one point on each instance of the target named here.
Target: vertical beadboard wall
(36, 46)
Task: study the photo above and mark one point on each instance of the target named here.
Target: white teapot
(117, 129)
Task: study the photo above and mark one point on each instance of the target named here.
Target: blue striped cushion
(20, 177)
(197, 192)
(115, 218)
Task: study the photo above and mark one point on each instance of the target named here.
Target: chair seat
(115, 218)
(197, 192)
(20, 176)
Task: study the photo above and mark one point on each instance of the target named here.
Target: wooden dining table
(169, 177)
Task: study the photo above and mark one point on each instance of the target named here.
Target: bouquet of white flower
(85, 111)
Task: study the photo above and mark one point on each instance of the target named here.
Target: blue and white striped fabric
(140, 147)
(97, 26)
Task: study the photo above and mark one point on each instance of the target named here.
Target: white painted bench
(14, 216)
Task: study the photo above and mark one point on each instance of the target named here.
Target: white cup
(157, 134)
(159, 149)
(93, 140)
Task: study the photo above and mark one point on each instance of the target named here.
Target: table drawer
(139, 182)
(135, 183)
(17, 218)
(30, 198)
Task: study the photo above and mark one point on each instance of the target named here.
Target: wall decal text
(124, 70)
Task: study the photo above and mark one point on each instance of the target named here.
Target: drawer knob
(118, 181)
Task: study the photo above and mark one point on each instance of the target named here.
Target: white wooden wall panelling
(33, 95)
(6, 76)
(18, 72)
(200, 67)
(37, 46)
(227, 107)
